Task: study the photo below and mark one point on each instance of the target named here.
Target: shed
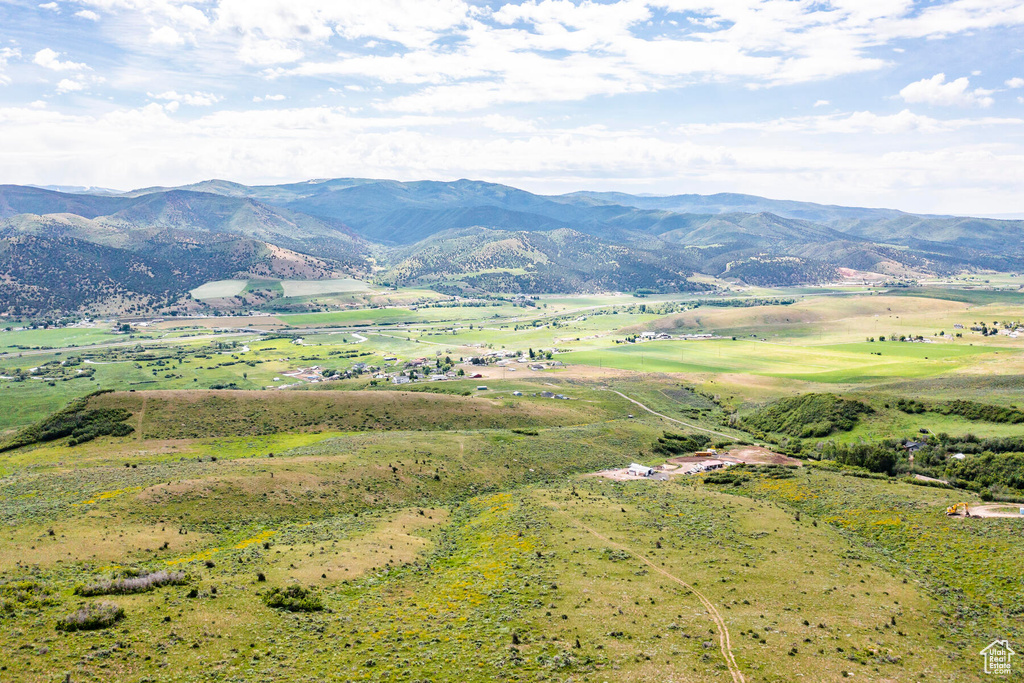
(640, 470)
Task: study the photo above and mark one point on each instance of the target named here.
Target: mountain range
(143, 250)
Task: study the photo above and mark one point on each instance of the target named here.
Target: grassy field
(445, 532)
(498, 567)
(12, 342)
(315, 287)
(220, 289)
(848, 363)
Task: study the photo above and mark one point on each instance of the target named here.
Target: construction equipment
(954, 510)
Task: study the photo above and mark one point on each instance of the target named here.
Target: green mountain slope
(481, 259)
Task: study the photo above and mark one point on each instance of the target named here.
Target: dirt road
(672, 419)
(997, 510)
(723, 631)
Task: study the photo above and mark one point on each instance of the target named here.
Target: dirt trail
(142, 416)
(723, 631)
(997, 510)
(672, 419)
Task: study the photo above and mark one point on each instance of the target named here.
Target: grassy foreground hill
(479, 554)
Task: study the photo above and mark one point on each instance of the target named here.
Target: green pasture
(12, 342)
(830, 364)
(272, 286)
(392, 316)
(971, 296)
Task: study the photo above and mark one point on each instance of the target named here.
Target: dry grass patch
(398, 539)
(93, 539)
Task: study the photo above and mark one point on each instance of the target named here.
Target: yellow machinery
(953, 510)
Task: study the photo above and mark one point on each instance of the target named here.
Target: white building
(640, 470)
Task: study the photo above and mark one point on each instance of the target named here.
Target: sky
(911, 105)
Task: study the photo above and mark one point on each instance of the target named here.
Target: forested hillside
(145, 249)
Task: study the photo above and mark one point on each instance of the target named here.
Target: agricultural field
(407, 492)
(221, 289)
(314, 287)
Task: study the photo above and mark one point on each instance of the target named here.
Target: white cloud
(474, 55)
(67, 85)
(194, 99)
(50, 59)
(87, 14)
(52, 6)
(7, 54)
(937, 91)
(421, 62)
(165, 35)
(950, 171)
(263, 52)
(413, 23)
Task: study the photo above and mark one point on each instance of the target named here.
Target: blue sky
(912, 105)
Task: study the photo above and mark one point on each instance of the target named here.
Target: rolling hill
(459, 236)
(479, 260)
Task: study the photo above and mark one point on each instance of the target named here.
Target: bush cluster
(18, 594)
(674, 443)
(133, 584)
(76, 421)
(91, 617)
(293, 599)
(809, 415)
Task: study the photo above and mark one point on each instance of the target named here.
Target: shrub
(726, 478)
(674, 443)
(981, 411)
(18, 594)
(293, 599)
(76, 421)
(136, 584)
(810, 415)
(91, 617)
